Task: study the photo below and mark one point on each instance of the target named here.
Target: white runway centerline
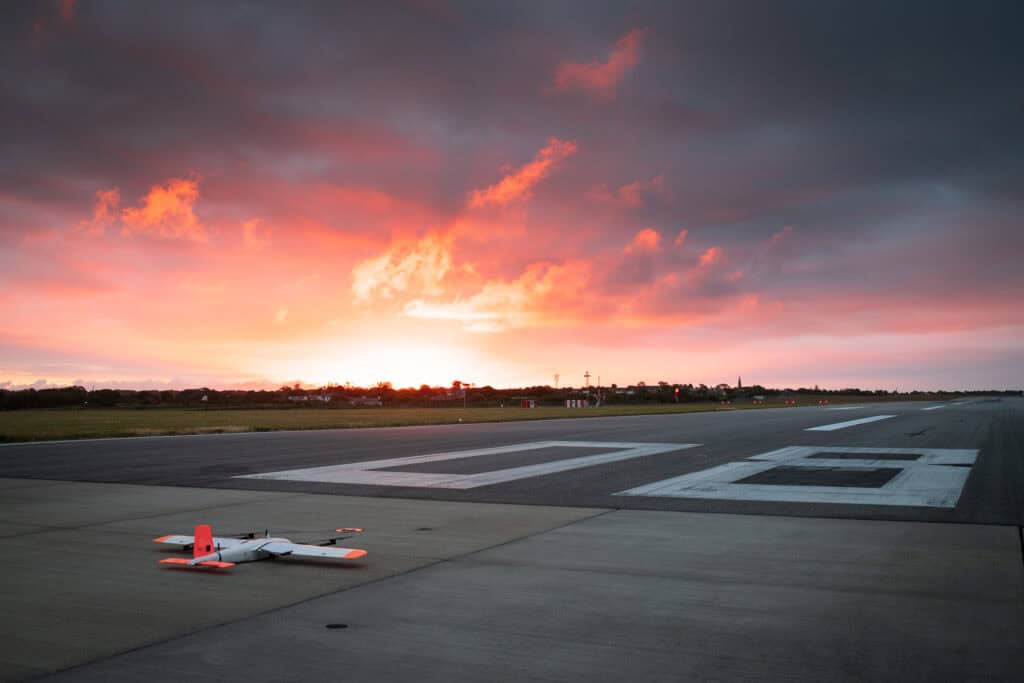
(849, 423)
(933, 407)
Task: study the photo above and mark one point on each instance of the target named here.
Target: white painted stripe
(934, 407)
(849, 423)
(367, 472)
(845, 408)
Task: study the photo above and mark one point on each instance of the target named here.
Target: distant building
(366, 401)
(306, 398)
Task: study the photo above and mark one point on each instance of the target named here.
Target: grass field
(43, 425)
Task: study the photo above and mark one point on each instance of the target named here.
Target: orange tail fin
(203, 541)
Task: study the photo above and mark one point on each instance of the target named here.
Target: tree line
(458, 394)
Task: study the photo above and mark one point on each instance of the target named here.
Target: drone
(209, 551)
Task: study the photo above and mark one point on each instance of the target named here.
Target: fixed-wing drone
(211, 551)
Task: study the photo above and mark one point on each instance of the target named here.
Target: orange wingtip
(354, 554)
(210, 563)
(348, 529)
(162, 538)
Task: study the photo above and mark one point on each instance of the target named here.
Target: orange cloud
(681, 238)
(103, 214)
(166, 212)
(518, 185)
(647, 239)
(602, 79)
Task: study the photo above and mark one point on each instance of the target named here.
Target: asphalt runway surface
(955, 461)
(592, 578)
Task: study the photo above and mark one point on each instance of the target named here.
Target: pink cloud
(518, 185)
(647, 240)
(710, 257)
(602, 79)
(255, 235)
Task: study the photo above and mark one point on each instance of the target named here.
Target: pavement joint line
(428, 565)
(702, 577)
(42, 483)
(278, 495)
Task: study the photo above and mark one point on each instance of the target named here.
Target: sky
(244, 194)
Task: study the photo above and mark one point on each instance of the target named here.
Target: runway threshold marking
(932, 477)
(367, 472)
(849, 423)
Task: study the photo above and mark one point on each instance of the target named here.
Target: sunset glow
(247, 196)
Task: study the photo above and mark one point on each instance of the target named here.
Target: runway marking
(933, 407)
(367, 472)
(849, 423)
(933, 479)
(845, 408)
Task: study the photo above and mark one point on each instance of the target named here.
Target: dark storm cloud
(825, 115)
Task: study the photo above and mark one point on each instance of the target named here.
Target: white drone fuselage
(249, 551)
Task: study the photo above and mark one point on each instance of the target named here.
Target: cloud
(255, 235)
(166, 212)
(543, 294)
(518, 185)
(418, 266)
(104, 213)
(630, 196)
(710, 257)
(65, 17)
(647, 239)
(602, 79)
(67, 10)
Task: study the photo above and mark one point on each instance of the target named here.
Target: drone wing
(189, 540)
(300, 550)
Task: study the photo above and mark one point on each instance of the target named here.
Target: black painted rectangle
(864, 456)
(859, 477)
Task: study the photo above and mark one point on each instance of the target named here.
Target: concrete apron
(463, 591)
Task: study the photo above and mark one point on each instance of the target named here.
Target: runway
(814, 563)
(956, 461)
